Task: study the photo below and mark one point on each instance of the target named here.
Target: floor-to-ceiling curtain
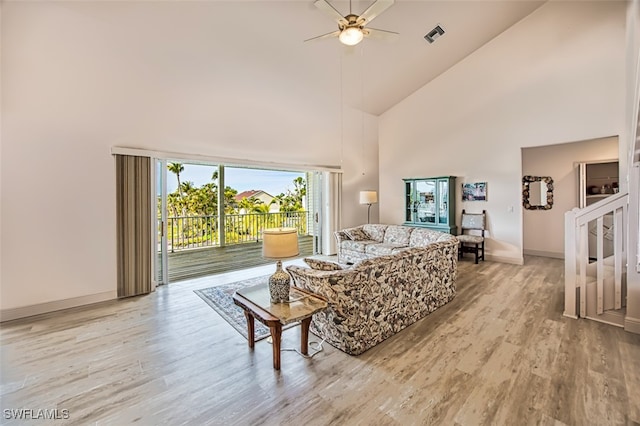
(134, 225)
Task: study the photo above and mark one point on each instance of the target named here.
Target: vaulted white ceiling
(264, 39)
(252, 54)
(391, 70)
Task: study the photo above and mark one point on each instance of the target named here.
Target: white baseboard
(612, 318)
(504, 259)
(57, 305)
(632, 325)
(540, 253)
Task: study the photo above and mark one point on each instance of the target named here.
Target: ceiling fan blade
(324, 6)
(374, 10)
(376, 33)
(328, 35)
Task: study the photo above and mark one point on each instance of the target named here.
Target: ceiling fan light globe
(351, 36)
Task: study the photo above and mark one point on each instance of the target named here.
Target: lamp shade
(279, 243)
(368, 197)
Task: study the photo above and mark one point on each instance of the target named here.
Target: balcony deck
(185, 264)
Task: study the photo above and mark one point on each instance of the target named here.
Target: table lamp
(279, 243)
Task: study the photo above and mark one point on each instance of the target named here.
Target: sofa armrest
(344, 290)
(324, 283)
(340, 236)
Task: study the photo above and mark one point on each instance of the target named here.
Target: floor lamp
(368, 197)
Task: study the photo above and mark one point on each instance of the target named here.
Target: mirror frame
(526, 181)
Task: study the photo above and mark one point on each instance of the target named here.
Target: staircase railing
(579, 223)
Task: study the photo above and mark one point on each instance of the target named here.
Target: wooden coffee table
(256, 303)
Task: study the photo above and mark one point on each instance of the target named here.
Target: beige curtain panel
(134, 225)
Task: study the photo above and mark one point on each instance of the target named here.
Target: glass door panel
(314, 195)
(161, 272)
(430, 203)
(425, 198)
(410, 206)
(443, 201)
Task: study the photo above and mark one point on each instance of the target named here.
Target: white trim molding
(505, 259)
(552, 254)
(632, 325)
(238, 162)
(56, 305)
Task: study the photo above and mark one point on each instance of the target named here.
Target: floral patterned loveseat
(378, 297)
(373, 240)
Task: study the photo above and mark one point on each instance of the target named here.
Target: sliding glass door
(160, 268)
(210, 218)
(315, 208)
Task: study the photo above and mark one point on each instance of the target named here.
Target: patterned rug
(220, 299)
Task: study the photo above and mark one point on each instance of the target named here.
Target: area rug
(220, 298)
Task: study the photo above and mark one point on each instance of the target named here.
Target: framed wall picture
(474, 191)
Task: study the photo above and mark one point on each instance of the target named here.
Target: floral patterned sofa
(373, 240)
(376, 298)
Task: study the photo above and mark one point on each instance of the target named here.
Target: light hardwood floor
(500, 353)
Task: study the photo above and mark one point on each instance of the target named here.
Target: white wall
(81, 77)
(361, 168)
(556, 76)
(543, 230)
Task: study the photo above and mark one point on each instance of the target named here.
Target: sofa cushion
(357, 246)
(471, 239)
(322, 265)
(381, 249)
(357, 234)
(421, 237)
(375, 231)
(396, 234)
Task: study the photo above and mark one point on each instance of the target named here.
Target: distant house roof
(252, 193)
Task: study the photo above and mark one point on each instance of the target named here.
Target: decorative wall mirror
(537, 192)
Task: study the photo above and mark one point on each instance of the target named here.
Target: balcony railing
(187, 232)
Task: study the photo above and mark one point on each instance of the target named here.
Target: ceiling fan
(351, 28)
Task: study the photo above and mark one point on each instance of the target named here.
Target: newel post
(570, 242)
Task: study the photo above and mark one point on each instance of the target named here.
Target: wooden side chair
(472, 234)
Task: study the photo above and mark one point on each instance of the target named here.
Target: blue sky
(272, 182)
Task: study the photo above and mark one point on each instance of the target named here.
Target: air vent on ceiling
(434, 34)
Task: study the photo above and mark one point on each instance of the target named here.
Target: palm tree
(260, 208)
(176, 168)
(291, 201)
(300, 187)
(248, 205)
(187, 187)
(230, 203)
